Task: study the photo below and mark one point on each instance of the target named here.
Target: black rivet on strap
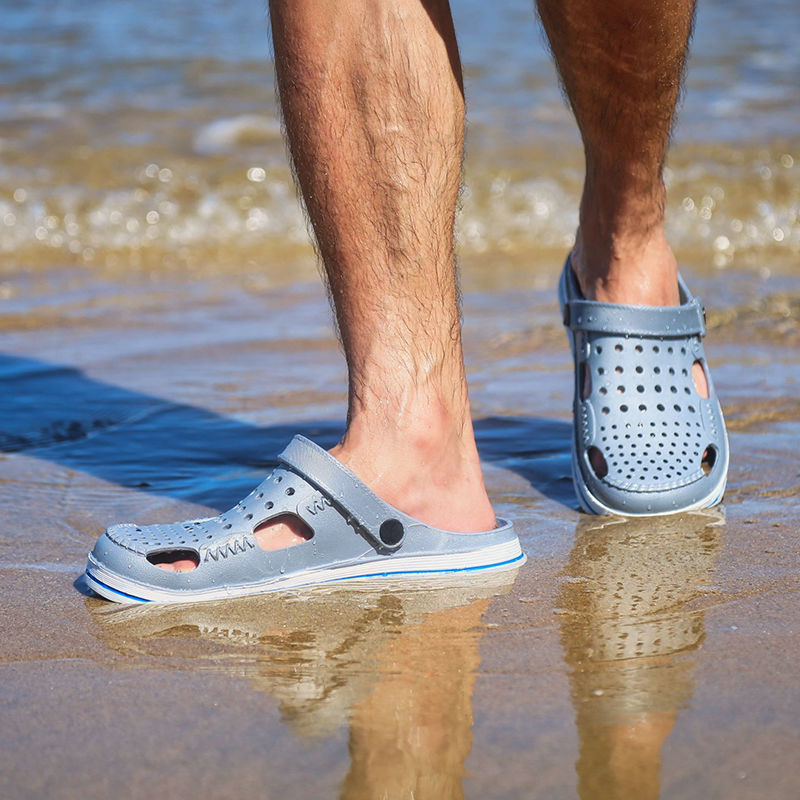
(391, 532)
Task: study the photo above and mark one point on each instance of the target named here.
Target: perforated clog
(355, 535)
(644, 441)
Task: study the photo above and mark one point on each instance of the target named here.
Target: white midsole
(120, 589)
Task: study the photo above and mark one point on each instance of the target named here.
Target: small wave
(726, 205)
(223, 135)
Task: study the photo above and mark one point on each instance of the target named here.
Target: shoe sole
(500, 557)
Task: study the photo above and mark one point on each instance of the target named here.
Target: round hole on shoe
(618, 348)
(623, 408)
(657, 387)
(621, 389)
(656, 348)
(228, 526)
(639, 348)
(248, 516)
(691, 409)
(677, 408)
(642, 407)
(260, 495)
(669, 349)
(603, 390)
(640, 389)
(709, 459)
(601, 371)
(618, 370)
(639, 370)
(657, 370)
(606, 410)
(290, 491)
(391, 532)
(599, 348)
(269, 504)
(660, 407)
(279, 478)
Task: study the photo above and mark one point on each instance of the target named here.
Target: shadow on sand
(58, 413)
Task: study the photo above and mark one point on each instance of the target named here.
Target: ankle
(628, 269)
(434, 438)
(621, 254)
(429, 469)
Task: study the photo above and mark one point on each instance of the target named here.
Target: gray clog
(355, 535)
(660, 447)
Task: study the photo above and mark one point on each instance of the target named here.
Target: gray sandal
(355, 535)
(644, 442)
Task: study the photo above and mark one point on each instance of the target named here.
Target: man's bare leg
(373, 105)
(621, 65)
(374, 111)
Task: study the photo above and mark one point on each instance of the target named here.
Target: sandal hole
(709, 459)
(584, 380)
(597, 462)
(171, 556)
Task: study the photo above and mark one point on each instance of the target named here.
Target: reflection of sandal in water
(355, 535)
(644, 441)
(317, 652)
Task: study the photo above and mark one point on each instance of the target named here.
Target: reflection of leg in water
(627, 633)
(412, 733)
(398, 665)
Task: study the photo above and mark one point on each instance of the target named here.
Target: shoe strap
(642, 321)
(357, 502)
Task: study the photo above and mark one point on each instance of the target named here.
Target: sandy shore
(625, 659)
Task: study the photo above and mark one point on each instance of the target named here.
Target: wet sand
(624, 660)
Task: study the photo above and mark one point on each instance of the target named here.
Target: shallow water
(145, 135)
(625, 659)
(152, 369)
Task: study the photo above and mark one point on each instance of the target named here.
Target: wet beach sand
(164, 335)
